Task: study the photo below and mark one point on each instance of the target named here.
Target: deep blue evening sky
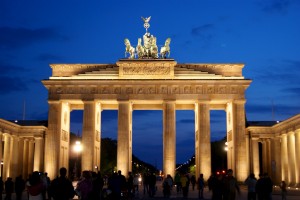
(263, 34)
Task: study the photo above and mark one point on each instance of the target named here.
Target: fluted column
(90, 136)
(255, 157)
(264, 156)
(6, 156)
(38, 154)
(276, 149)
(297, 157)
(14, 165)
(30, 156)
(236, 138)
(124, 151)
(169, 138)
(25, 158)
(202, 140)
(21, 157)
(284, 158)
(52, 141)
(291, 158)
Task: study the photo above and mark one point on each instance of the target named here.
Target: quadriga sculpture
(129, 49)
(165, 49)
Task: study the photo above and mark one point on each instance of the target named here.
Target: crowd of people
(91, 186)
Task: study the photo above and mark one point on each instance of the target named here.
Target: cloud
(6, 68)
(11, 38)
(292, 90)
(9, 84)
(285, 72)
(275, 6)
(202, 30)
(278, 109)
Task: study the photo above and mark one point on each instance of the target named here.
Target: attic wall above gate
(147, 69)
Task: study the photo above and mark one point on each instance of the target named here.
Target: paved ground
(293, 194)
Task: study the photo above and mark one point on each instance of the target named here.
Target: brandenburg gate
(147, 79)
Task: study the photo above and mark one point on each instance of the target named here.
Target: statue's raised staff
(129, 49)
(165, 49)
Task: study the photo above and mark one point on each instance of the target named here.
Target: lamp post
(77, 148)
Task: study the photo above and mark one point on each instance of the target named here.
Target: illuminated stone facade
(21, 147)
(279, 146)
(145, 84)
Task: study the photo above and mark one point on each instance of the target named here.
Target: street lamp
(77, 148)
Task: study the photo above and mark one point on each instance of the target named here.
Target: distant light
(226, 143)
(226, 148)
(16, 121)
(277, 122)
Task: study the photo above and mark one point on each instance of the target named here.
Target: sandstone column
(277, 160)
(25, 158)
(169, 138)
(38, 154)
(284, 158)
(90, 136)
(236, 138)
(52, 141)
(124, 151)
(6, 156)
(21, 157)
(297, 158)
(202, 139)
(30, 156)
(291, 158)
(14, 165)
(255, 157)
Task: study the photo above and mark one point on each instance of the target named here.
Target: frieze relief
(157, 70)
(153, 89)
(64, 135)
(97, 136)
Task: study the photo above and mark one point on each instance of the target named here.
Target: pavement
(293, 194)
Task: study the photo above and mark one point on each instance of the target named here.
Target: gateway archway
(146, 84)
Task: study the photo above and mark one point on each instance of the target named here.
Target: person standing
(61, 187)
(152, 184)
(85, 186)
(19, 187)
(283, 190)
(167, 185)
(267, 187)
(184, 185)
(130, 185)
(259, 187)
(200, 183)
(251, 183)
(193, 182)
(230, 186)
(35, 187)
(9, 188)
